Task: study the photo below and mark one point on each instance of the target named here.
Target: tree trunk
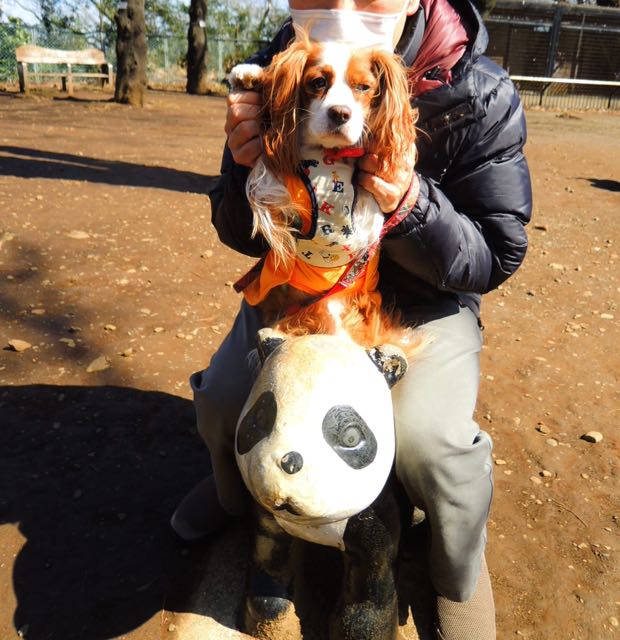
(130, 53)
(197, 48)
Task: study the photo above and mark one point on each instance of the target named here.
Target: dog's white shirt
(345, 219)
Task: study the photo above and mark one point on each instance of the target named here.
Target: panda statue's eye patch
(258, 422)
(349, 436)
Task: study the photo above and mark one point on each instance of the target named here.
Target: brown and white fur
(323, 96)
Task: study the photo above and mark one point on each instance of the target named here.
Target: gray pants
(442, 458)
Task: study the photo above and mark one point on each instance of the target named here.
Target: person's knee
(422, 444)
(433, 466)
(218, 400)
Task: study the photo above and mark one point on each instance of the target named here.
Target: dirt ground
(110, 270)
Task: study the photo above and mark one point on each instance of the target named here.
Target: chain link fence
(166, 53)
(560, 56)
(166, 58)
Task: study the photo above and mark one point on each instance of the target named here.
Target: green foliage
(227, 19)
(13, 32)
(245, 22)
(165, 17)
(235, 29)
(52, 15)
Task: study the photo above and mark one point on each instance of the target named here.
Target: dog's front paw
(248, 77)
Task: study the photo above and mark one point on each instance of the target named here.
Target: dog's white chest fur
(345, 219)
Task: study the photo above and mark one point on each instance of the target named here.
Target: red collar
(330, 156)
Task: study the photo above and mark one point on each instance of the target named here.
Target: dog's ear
(391, 362)
(283, 99)
(392, 118)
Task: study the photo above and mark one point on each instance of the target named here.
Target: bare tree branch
(29, 10)
(104, 10)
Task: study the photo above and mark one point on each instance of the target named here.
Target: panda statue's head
(315, 440)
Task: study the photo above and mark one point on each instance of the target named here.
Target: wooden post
(22, 72)
(130, 53)
(69, 80)
(197, 48)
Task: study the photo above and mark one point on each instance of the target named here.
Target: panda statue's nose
(292, 462)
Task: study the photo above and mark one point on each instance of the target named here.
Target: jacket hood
(453, 32)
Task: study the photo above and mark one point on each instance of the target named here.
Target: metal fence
(560, 56)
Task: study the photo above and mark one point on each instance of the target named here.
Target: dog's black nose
(292, 462)
(339, 114)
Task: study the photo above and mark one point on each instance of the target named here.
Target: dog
(325, 105)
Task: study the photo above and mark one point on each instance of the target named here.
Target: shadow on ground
(82, 100)
(602, 183)
(65, 313)
(21, 162)
(90, 476)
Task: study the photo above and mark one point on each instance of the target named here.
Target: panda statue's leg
(368, 607)
(269, 582)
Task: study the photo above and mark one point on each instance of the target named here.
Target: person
(464, 237)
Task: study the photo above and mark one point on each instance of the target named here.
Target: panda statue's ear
(268, 340)
(390, 361)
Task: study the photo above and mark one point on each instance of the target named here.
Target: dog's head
(332, 96)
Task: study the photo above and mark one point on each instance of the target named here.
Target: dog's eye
(362, 88)
(318, 84)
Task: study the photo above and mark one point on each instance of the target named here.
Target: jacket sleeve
(231, 214)
(467, 233)
(230, 211)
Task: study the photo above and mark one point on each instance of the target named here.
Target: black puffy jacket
(466, 234)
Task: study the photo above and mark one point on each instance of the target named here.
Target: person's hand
(388, 187)
(243, 126)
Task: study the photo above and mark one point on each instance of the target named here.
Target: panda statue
(315, 447)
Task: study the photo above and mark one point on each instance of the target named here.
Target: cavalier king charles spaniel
(324, 106)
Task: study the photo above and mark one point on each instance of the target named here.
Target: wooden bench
(32, 54)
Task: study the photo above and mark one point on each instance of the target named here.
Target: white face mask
(356, 28)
